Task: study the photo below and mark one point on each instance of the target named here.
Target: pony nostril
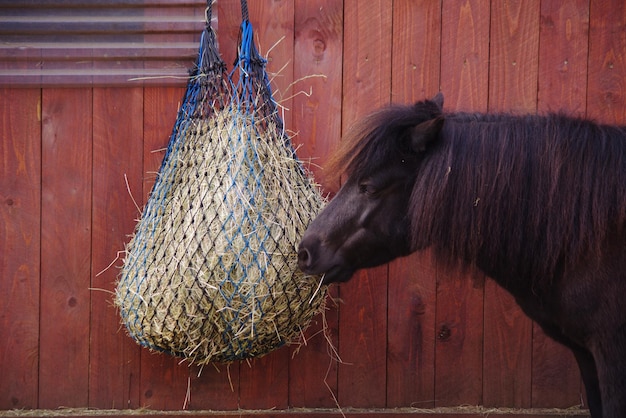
(304, 258)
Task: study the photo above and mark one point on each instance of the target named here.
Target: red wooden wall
(409, 335)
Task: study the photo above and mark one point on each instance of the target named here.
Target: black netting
(211, 271)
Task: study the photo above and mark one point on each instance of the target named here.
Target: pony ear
(425, 133)
(438, 100)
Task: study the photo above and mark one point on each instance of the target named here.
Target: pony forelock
(369, 141)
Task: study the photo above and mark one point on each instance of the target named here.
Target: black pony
(538, 203)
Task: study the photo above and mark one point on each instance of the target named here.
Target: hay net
(211, 273)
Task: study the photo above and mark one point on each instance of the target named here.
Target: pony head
(366, 224)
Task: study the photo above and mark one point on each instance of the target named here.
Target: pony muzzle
(310, 254)
(304, 259)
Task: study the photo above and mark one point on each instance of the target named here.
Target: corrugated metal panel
(107, 42)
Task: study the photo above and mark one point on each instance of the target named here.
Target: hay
(211, 272)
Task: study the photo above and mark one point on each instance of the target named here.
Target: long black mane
(536, 193)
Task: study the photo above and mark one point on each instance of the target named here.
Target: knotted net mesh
(211, 273)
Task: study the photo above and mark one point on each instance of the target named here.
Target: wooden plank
(229, 21)
(20, 197)
(363, 315)
(411, 334)
(164, 381)
(464, 82)
(362, 375)
(562, 83)
(507, 343)
(465, 55)
(316, 118)
(117, 151)
(317, 56)
(258, 375)
(415, 74)
(563, 54)
(514, 56)
(367, 58)
(412, 280)
(273, 24)
(271, 21)
(512, 87)
(606, 92)
(606, 81)
(459, 342)
(214, 386)
(66, 249)
(313, 365)
(160, 111)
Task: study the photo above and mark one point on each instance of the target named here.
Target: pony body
(537, 202)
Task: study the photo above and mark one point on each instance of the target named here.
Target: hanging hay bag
(211, 273)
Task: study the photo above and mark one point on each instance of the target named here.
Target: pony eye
(365, 188)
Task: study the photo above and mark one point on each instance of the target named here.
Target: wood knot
(444, 333)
